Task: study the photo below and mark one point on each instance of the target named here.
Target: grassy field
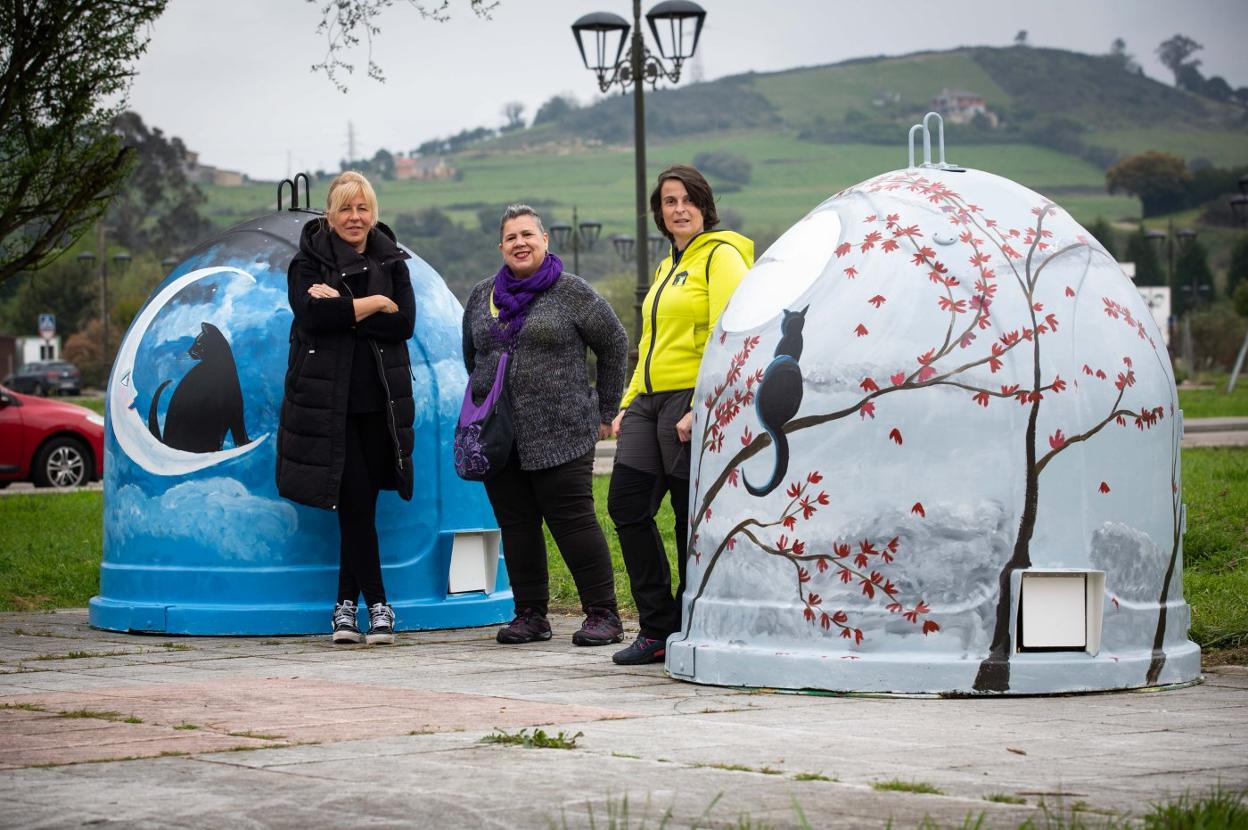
(50, 548)
(789, 178)
(1224, 149)
(1214, 402)
(802, 95)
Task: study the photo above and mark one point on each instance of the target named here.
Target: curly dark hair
(700, 194)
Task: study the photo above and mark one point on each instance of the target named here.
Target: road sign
(47, 326)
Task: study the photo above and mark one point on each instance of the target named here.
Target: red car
(51, 443)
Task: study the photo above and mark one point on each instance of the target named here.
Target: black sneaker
(380, 624)
(601, 628)
(643, 650)
(529, 626)
(346, 629)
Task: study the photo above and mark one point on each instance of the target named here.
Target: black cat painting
(779, 396)
(207, 403)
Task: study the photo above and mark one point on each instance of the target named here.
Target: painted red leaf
(843, 249)
(861, 330)
(926, 373)
(825, 620)
(867, 588)
(918, 509)
(814, 599)
(809, 614)
(840, 617)
(868, 409)
(790, 521)
(847, 634)
(822, 564)
(895, 434)
(851, 272)
(1057, 440)
(803, 575)
(1070, 292)
(857, 636)
(898, 379)
(814, 477)
(981, 398)
(868, 385)
(746, 437)
(878, 300)
(1104, 488)
(929, 626)
(793, 490)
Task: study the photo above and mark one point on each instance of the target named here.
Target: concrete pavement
(100, 728)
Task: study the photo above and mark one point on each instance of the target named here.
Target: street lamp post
(1239, 206)
(1173, 239)
(578, 235)
(87, 260)
(672, 23)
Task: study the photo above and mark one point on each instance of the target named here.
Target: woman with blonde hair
(346, 420)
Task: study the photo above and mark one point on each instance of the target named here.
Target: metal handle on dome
(307, 192)
(293, 193)
(927, 141)
(927, 138)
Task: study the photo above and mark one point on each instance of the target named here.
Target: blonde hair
(345, 187)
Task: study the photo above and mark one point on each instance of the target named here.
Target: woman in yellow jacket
(688, 293)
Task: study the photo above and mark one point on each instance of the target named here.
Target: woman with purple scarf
(546, 318)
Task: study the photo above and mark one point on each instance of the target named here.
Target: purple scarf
(513, 296)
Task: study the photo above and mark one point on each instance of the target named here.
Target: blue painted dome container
(196, 538)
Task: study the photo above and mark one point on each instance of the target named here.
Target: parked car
(51, 443)
(45, 377)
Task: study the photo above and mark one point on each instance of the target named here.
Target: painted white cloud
(215, 512)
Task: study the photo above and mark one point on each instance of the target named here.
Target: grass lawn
(1214, 402)
(50, 548)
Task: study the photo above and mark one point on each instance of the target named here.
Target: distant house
(885, 97)
(207, 174)
(960, 106)
(420, 167)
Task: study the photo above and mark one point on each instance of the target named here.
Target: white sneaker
(380, 624)
(346, 629)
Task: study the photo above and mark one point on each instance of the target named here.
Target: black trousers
(564, 497)
(650, 463)
(368, 467)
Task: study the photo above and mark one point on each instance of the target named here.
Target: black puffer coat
(311, 439)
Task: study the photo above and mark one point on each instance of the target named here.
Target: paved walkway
(98, 728)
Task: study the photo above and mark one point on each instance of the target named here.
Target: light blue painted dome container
(199, 542)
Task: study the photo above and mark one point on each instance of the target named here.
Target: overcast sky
(232, 79)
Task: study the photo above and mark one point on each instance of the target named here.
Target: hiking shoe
(380, 624)
(601, 628)
(643, 650)
(529, 626)
(346, 629)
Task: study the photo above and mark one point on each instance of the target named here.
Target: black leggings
(365, 470)
(564, 497)
(650, 463)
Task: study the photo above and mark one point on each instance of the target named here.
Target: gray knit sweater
(557, 412)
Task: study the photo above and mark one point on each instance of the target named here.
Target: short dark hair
(515, 212)
(700, 194)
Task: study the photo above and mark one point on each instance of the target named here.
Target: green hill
(1061, 117)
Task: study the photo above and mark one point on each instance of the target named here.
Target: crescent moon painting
(132, 431)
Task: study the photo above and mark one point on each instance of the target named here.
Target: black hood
(325, 247)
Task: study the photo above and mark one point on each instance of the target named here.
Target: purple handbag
(484, 434)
